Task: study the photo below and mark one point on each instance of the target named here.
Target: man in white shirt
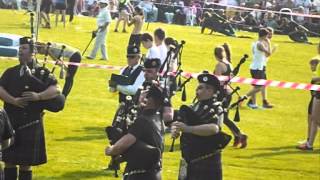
(103, 20)
(133, 72)
(159, 36)
(147, 42)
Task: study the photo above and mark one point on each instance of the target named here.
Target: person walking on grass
(314, 106)
(103, 21)
(261, 51)
(125, 8)
(224, 68)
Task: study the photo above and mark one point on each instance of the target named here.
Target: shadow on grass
(292, 42)
(90, 133)
(81, 174)
(278, 151)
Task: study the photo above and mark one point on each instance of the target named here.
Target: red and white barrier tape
(241, 80)
(262, 82)
(261, 10)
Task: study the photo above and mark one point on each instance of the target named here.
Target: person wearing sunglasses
(133, 73)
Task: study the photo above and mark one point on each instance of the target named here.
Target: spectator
(60, 8)
(103, 21)
(169, 13)
(190, 12)
(271, 21)
(44, 12)
(314, 106)
(147, 42)
(137, 21)
(306, 4)
(150, 11)
(316, 4)
(70, 9)
(159, 36)
(113, 9)
(125, 8)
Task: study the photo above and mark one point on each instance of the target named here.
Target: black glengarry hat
(152, 63)
(209, 79)
(25, 40)
(133, 50)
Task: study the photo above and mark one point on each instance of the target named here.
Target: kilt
(29, 146)
(207, 169)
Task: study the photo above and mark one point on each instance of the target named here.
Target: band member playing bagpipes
(54, 51)
(127, 113)
(201, 141)
(27, 89)
(224, 68)
(141, 147)
(151, 75)
(131, 77)
(127, 83)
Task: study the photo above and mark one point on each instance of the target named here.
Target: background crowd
(188, 12)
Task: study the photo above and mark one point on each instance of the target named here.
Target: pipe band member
(27, 89)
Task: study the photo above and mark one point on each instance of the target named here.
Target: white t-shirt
(153, 52)
(259, 58)
(163, 52)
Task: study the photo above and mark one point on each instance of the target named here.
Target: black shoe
(266, 104)
(89, 57)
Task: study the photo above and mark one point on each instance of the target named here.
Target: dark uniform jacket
(200, 152)
(132, 78)
(29, 146)
(149, 129)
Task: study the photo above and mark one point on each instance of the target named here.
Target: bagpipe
(38, 78)
(210, 144)
(124, 117)
(194, 146)
(186, 114)
(140, 155)
(169, 82)
(233, 74)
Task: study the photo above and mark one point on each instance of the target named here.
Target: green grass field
(75, 137)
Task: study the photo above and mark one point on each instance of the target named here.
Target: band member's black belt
(137, 171)
(28, 124)
(205, 156)
(140, 171)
